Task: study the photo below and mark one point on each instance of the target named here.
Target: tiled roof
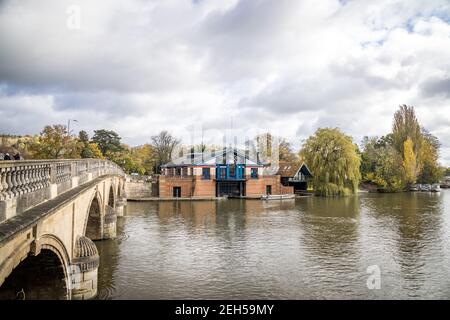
(289, 169)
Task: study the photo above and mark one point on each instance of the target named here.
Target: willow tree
(333, 159)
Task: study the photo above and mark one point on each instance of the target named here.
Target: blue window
(254, 173)
(223, 172)
(232, 171)
(206, 173)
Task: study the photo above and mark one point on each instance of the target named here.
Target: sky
(138, 67)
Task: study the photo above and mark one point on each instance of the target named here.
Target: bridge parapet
(24, 184)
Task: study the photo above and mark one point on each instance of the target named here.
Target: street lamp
(68, 125)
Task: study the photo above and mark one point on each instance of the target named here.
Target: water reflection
(109, 251)
(303, 248)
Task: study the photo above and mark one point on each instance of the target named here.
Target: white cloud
(142, 66)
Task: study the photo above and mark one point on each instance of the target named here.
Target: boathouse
(294, 174)
(229, 172)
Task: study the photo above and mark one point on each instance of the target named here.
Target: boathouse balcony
(230, 172)
(178, 173)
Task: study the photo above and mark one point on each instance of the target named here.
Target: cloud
(138, 67)
(436, 86)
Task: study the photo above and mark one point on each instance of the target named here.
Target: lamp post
(68, 125)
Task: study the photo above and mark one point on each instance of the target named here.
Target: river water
(307, 248)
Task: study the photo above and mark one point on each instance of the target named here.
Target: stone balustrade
(24, 184)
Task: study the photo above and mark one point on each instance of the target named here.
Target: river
(307, 248)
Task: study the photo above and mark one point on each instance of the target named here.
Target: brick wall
(204, 188)
(207, 188)
(257, 187)
(166, 185)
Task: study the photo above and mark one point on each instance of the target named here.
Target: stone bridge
(50, 211)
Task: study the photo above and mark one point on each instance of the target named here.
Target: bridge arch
(119, 190)
(44, 274)
(111, 196)
(93, 226)
(56, 237)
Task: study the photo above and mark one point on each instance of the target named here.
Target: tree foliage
(409, 162)
(332, 157)
(406, 126)
(108, 141)
(447, 172)
(430, 171)
(54, 143)
(407, 155)
(89, 150)
(389, 174)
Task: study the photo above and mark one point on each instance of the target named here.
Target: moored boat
(278, 197)
(435, 187)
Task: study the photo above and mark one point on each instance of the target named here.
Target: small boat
(414, 188)
(435, 188)
(278, 196)
(426, 187)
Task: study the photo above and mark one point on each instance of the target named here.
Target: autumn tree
(332, 157)
(409, 162)
(54, 143)
(406, 126)
(145, 157)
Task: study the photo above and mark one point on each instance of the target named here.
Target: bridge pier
(110, 224)
(84, 269)
(120, 207)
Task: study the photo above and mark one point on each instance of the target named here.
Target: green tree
(431, 171)
(408, 154)
(447, 172)
(90, 150)
(108, 141)
(333, 159)
(54, 143)
(128, 162)
(369, 156)
(389, 174)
